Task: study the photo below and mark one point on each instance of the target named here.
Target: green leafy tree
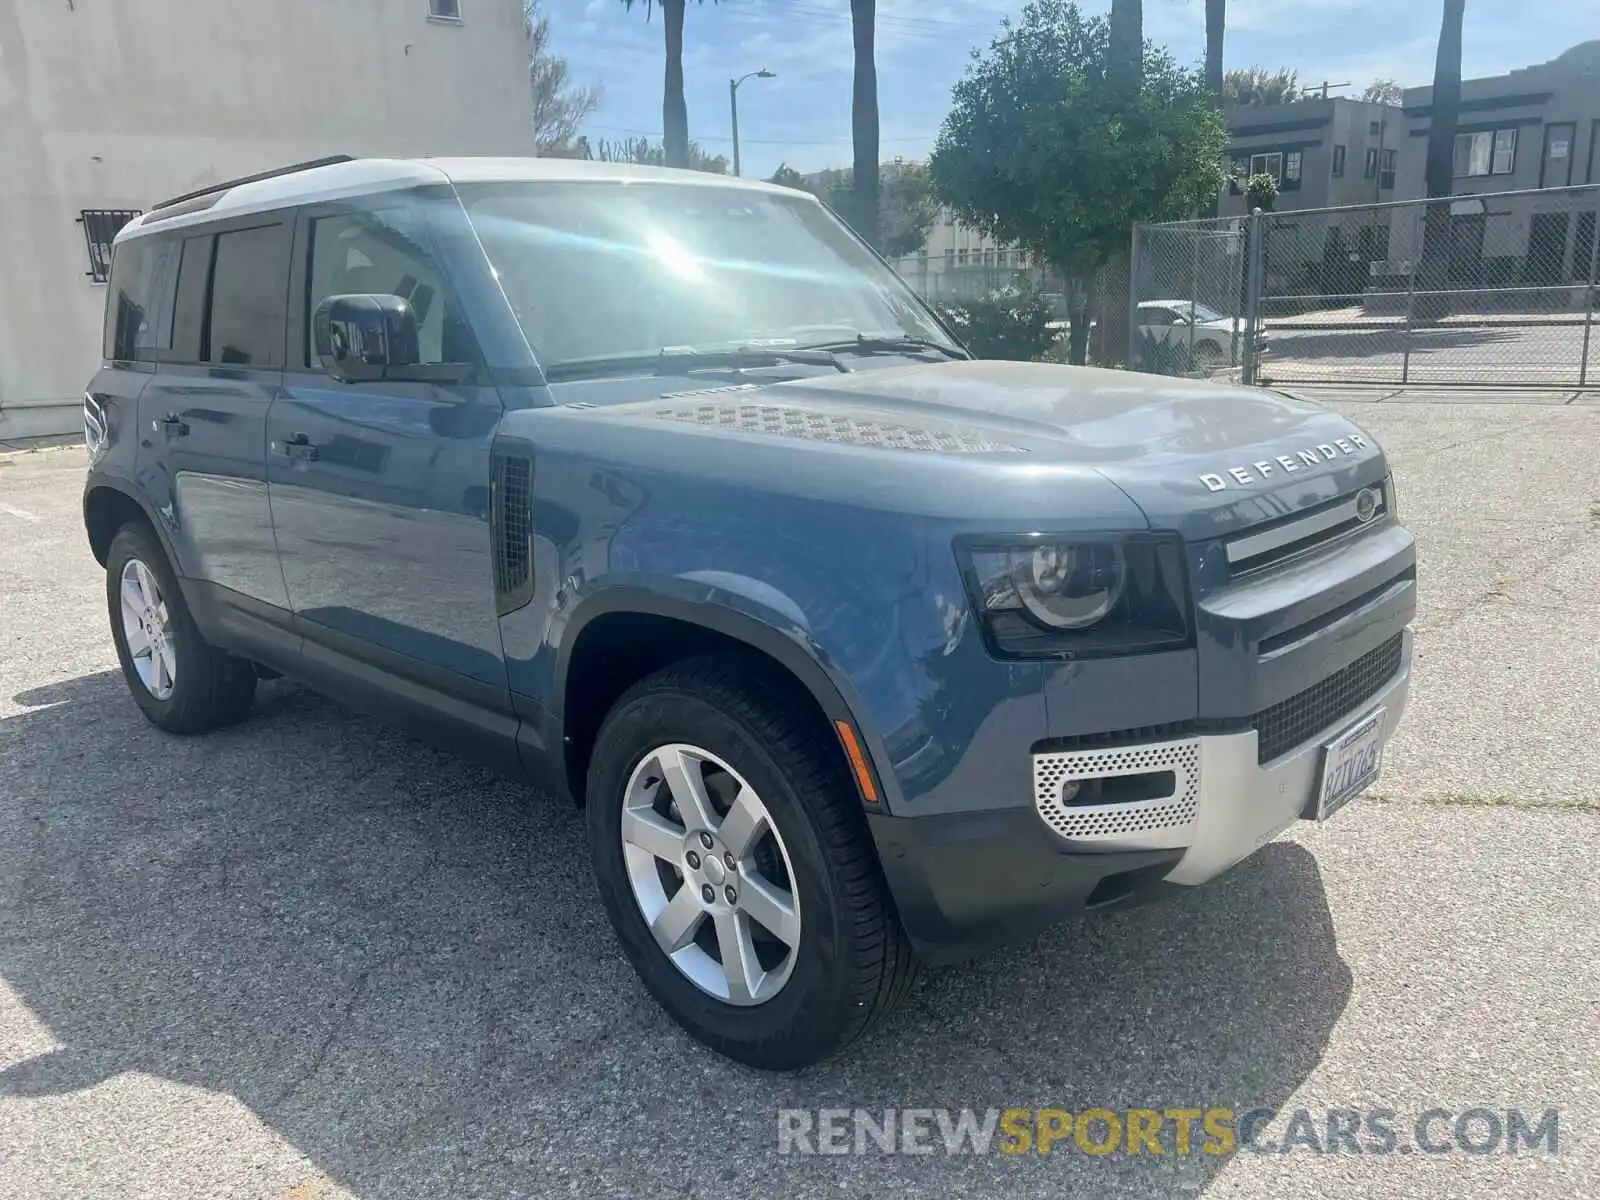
(1041, 150)
(1012, 324)
(674, 109)
(1257, 87)
(646, 153)
(1383, 91)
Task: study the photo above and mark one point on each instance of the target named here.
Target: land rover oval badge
(1367, 501)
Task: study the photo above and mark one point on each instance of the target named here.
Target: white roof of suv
(364, 176)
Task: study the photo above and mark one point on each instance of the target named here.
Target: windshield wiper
(889, 343)
(674, 362)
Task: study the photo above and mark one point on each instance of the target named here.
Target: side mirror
(364, 338)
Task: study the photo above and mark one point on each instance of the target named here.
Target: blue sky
(803, 116)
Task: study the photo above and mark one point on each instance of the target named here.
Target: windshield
(607, 269)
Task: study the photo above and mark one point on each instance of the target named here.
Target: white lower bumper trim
(1226, 805)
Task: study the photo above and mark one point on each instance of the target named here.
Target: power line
(744, 141)
(896, 22)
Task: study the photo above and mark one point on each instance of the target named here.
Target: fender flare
(100, 480)
(744, 619)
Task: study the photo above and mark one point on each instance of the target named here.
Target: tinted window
(189, 312)
(381, 253)
(249, 298)
(139, 300)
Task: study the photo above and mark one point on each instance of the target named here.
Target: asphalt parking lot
(309, 958)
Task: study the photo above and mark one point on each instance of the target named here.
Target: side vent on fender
(511, 530)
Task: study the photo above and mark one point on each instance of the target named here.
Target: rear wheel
(1208, 354)
(737, 869)
(179, 681)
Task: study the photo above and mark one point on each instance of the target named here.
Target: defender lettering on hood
(1289, 463)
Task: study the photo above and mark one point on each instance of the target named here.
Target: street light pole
(733, 107)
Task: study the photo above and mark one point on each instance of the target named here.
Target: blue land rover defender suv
(661, 489)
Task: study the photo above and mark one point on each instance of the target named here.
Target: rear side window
(249, 298)
(189, 311)
(139, 299)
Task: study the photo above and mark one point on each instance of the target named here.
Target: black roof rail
(257, 178)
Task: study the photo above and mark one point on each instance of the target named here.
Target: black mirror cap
(360, 338)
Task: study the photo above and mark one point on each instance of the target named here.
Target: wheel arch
(620, 635)
(108, 505)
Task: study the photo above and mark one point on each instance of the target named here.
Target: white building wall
(119, 104)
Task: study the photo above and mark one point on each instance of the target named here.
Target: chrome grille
(1273, 542)
(1291, 722)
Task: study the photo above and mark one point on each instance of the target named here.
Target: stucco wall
(112, 104)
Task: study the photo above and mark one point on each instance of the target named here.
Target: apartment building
(1535, 128)
(1321, 152)
(107, 108)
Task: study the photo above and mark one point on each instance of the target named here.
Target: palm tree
(1216, 22)
(864, 119)
(1445, 105)
(1446, 101)
(674, 111)
(1126, 66)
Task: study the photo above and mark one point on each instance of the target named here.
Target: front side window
(382, 253)
(595, 270)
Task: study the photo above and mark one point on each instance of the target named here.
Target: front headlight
(1045, 598)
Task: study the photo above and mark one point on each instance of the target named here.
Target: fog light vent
(1061, 780)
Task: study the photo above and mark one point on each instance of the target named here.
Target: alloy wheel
(147, 629)
(710, 874)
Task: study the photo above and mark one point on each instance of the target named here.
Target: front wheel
(736, 867)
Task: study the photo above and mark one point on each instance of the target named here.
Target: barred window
(100, 229)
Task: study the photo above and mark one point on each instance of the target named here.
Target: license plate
(1350, 764)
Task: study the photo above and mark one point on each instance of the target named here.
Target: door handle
(172, 425)
(297, 448)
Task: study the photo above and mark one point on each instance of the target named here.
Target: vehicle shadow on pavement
(396, 961)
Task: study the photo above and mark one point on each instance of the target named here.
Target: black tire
(1208, 352)
(210, 689)
(853, 963)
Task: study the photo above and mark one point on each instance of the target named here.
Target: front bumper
(967, 881)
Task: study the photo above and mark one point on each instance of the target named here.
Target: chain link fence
(1487, 290)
